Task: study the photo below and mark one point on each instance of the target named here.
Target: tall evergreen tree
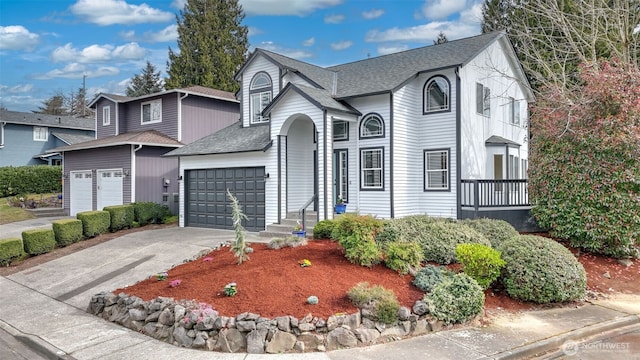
(145, 83)
(442, 38)
(212, 43)
(53, 105)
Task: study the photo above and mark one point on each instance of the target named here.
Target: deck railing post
(476, 197)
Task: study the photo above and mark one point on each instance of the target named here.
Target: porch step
(287, 225)
(47, 212)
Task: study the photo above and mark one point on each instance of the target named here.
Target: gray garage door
(207, 204)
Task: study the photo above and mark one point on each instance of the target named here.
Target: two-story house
(25, 137)
(401, 134)
(124, 162)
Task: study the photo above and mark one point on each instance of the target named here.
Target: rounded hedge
(496, 231)
(323, 229)
(541, 270)
(440, 238)
(456, 300)
(430, 276)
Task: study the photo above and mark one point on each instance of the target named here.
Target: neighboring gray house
(25, 137)
(438, 130)
(124, 162)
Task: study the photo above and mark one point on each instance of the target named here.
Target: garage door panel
(213, 208)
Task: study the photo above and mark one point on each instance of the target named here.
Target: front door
(340, 175)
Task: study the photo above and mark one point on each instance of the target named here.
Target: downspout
(180, 98)
(391, 196)
(117, 119)
(132, 172)
(2, 124)
(458, 147)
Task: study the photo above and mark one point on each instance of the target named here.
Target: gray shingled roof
(71, 139)
(499, 140)
(387, 72)
(148, 137)
(319, 97)
(231, 139)
(321, 76)
(194, 90)
(54, 121)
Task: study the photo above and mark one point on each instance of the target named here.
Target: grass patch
(9, 214)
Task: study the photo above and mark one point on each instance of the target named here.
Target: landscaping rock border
(199, 326)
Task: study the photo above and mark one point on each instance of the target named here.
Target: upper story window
(151, 112)
(371, 126)
(483, 100)
(436, 95)
(40, 133)
(260, 94)
(514, 111)
(340, 130)
(106, 115)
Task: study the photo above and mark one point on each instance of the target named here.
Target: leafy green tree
(212, 44)
(585, 160)
(145, 83)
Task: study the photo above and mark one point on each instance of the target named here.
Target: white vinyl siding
(40, 133)
(151, 112)
(106, 115)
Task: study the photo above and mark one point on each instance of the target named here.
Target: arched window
(371, 126)
(436, 95)
(260, 94)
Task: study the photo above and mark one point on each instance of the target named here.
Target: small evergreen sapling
(239, 247)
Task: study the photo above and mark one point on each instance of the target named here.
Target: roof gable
(318, 97)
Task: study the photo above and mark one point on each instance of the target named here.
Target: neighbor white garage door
(81, 198)
(109, 190)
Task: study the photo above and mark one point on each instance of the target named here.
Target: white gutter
(132, 172)
(180, 98)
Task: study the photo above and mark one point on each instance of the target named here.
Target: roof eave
(62, 149)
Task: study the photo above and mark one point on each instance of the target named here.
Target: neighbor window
(436, 168)
(371, 126)
(514, 167)
(152, 112)
(514, 111)
(371, 168)
(436, 95)
(260, 94)
(525, 168)
(340, 130)
(106, 115)
(40, 133)
(483, 100)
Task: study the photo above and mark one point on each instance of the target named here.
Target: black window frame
(425, 95)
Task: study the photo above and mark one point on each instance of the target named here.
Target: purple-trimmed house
(124, 162)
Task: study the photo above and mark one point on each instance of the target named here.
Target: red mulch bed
(272, 283)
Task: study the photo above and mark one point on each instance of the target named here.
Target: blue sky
(46, 46)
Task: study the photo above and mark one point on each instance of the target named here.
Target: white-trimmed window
(483, 100)
(340, 130)
(40, 133)
(436, 170)
(106, 115)
(151, 112)
(372, 126)
(371, 169)
(525, 168)
(514, 167)
(437, 95)
(514, 111)
(260, 95)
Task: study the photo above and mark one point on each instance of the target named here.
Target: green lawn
(9, 214)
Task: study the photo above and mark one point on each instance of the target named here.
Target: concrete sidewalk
(45, 308)
(15, 229)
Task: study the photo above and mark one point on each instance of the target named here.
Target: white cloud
(16, 89)
(110, 12)
(372, 14)
(168, 34)
(178, 4)
(334, 19)
(285, 7)
(309, 42)
(441, 9)
(292, 53)
(98, 53)
(385, 50)
(254, 31)
(342, 45)
(17, 37)
(77, 71)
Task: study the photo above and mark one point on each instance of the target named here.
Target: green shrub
(122, 217)
(67, 231)
(353, 224)
(33, 179)
(430, 276)
(496, 231)
(170, 219)
(480, 262)
(401, 256)
(94, 223)
(381, 301)
(150, 213)
(38, 241)
(439, 240)
(361, 250)
(389, 233)
(10, 249)
(541, 270)
(456, 300)
(323, 229)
